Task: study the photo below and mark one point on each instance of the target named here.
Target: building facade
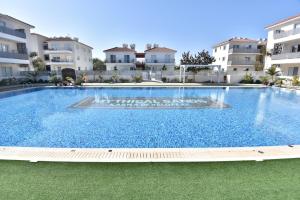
(14, 46)
(154, 58)
(239, 54)
(284, 46)
(62, 54)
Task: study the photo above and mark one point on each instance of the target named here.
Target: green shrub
(247, 79)
(296, 81)
(258, 81)
(264, 80)
(164, 79)
(124, 80)
(138, 79)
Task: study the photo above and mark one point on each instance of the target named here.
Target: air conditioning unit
(125, 45)
(155, 45)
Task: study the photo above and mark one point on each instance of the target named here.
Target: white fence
(166, 76)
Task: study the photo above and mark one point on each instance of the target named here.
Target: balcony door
(293, 71)
(126, 58)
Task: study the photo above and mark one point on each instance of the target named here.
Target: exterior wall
(288, 36)
(120, 63)
(232, 58)
(71, 54)
(13, 61)
(220, 53)
(156, 60)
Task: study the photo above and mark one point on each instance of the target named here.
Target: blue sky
(180, 24)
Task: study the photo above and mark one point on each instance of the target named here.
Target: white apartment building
(14, 44)
(63, 53)
(238, 54)
(284, 46)
(154, 58)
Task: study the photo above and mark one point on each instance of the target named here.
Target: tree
(98, 65)
(272, 71)
(38, 64)
(201, 58)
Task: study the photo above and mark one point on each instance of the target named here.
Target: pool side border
(36, 154)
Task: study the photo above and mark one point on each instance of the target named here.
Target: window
(224, 47)
(296, 48)
(127, 58)
(247, 59)
(297, 25)
(234, 69)
(249, 46)
(168, 58)
(236, 46)
(4, 48)
(2, 24)
(153, 59)
(223, 59)
(113, 58)
(6, 71)
(293, 71)
(67, 46)
(278, 31)
(78, 68)
(216, 49)
(55, 46)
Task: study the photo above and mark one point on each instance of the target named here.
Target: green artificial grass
(228, 180)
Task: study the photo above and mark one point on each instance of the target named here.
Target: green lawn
(228, 180)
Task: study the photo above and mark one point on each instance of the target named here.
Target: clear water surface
(44, 118)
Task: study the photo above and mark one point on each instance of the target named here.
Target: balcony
(12, 32)
(57, 50)
(62, 60)
(289, 55)
(120, 61)
(240, 62)
(13, 55)
(283, 34)
(171, 61)
(244, 50)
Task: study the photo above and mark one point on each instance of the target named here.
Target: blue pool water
(46, 118)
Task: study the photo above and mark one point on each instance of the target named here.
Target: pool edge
(126, 155)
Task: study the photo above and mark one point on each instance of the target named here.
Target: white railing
(283, 34)
(243, 50)
(290, 55)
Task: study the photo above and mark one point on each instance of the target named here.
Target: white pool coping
(36, 154)
(154, 84)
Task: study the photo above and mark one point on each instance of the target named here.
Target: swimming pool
(149, 117)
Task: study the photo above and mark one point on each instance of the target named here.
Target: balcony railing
(283, 34)
(120, 61)
(243, 50)
(160, 61)
(61, 60)
(290, 55)
(13, 55)
(57, 49)
(240, 62)
(12, 32)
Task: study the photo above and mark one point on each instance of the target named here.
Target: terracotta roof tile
(283, 21)
(119, 49)
(235, 39)
(160, 49)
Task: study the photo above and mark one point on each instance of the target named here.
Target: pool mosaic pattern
(44, 118)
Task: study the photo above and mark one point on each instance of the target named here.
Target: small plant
(138, 79)
(247, 79)
(164, 79)
(272, 71)
(295, 81)
(264, 80)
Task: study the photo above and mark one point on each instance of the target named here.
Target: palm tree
(272, 71)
